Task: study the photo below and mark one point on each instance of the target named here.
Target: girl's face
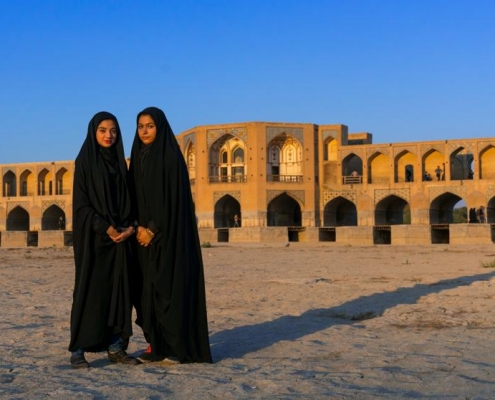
(146, 129)
(106, 133)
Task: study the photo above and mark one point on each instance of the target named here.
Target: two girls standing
(160, 270)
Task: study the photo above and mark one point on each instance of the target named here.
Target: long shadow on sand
(242, 340)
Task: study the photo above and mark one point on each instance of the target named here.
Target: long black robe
(102, 303)
(172, 312)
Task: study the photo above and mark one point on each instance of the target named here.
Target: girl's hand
(112, 233)
(122, 236)
(143, 236)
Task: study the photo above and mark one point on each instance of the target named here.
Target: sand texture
(302, 321)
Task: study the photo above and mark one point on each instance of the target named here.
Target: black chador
(172, 311)
(102, 303)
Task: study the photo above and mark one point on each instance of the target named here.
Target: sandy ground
(299, 321)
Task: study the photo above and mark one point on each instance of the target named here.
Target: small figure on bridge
(61, 223)
(438, 172)
(481, 215)
(408, 175)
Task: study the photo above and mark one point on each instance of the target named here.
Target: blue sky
(402, 70)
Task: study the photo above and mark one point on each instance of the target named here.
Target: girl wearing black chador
(102, 305)
(172, 311)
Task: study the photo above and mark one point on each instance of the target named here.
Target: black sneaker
(79, 362)
(122, 357)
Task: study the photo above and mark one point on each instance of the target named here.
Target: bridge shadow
(242, 340)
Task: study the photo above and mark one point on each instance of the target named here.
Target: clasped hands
(144, 236)
(119, 237)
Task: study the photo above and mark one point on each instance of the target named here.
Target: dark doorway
(18, 220)
(53, 219)
(392, 210)
(284, 211)
(340, 212)
(225, 211)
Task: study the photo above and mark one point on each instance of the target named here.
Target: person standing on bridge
(438, 172)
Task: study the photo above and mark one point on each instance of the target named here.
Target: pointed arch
(379, 168)
(461, 161)
(284, 159)
(62, 185)
(392, 210)
(404, 164)
(53, 218)
(9, 184)
(330, 149)
(45, 182)
(18, 219)
(191, 161)
(487, 163)
(27, 183)
(238, 155)
(352, 169)
(223, 165)
(431, 162)
(442, 209)
(238, 169)
(284, 210)
(226, 208)
(340, 212)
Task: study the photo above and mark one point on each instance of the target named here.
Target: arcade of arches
(276, 182)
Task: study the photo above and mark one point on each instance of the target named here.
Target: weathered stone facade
(36, 204)
(299, 182)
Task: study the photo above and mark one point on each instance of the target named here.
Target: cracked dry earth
(302, 321)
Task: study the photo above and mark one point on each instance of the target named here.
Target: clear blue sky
(404, 70)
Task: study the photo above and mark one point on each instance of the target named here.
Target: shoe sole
(169, 362)
(144, 360)
(80, 365)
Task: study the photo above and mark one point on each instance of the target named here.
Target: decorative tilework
(213, 134)
(484, 144)
(329, 134)
(329, 195)
(358, 151)
(45, 204)
(434, 192)
(408, 149)
(13, 204)
(190, 138)
(236, 194)
(297, 194)
(453, 146)
(378, 150)
(404, 194)
(272, 132)
(425, 148)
